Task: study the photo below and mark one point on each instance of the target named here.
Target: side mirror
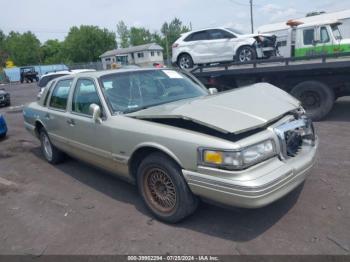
(95, 111)
(213, 91)
(315, 42)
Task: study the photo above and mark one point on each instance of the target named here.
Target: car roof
(69, 72)
(208, 28)
(97, 74)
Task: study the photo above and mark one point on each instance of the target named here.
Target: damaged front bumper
(255, 187)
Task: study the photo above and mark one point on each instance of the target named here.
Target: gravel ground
(74, 208)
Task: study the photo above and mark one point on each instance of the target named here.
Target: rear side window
(85, 94)
(49, 88)
(60, 94)
(219, 34)
(309, 36)
(45, 79)
(202, 35)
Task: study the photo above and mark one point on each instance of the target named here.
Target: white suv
(214, 45)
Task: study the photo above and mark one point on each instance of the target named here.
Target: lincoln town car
(179, 142)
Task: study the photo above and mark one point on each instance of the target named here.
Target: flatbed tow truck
(317, 81)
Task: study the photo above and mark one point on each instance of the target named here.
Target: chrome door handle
(47, 116)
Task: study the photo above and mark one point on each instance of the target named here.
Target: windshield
(235, 31)
(336, 32)
(133, 91)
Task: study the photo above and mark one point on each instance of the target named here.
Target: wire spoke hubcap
(47, 147)
(160, 190)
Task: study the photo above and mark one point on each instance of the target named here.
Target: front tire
(51, 153)
(185, 61)
(164, 190)
(245, 54)
(316, 98)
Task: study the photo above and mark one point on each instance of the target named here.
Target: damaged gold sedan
(164, 131)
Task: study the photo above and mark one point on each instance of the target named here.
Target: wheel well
(251, 46)
(182, 53)
(38, 127)
(141, 154)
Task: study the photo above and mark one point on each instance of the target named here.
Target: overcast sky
(50, 19)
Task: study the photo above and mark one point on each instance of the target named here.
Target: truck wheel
(316, 98)
(51, 153)
(164, 190)
(185, 61)
(245, 54)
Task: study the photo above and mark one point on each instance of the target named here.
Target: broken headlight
(239, 159)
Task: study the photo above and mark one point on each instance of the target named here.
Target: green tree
(140, 36)
(124, 34)
(171, 32)
(3, 53)
(52, 52)
(23, 49)
(87, 43)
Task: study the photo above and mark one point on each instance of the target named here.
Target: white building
(142, 55)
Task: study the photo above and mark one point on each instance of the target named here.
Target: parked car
(3, 126)
(220, 45)
(46, 78)
(5, 99)
(163, 130)
(28, 74)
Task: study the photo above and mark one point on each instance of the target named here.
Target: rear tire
(316, 98)
(185, 61)
(51, 153)
(164, 190)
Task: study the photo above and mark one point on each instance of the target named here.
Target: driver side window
(324, 35)
(309, 36)
(85, 94)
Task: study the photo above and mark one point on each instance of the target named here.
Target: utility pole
(251, 15)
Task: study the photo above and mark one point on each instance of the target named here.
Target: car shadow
(229, 223)
(340, 111)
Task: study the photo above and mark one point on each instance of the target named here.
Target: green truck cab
(299, 39)
(319, 39)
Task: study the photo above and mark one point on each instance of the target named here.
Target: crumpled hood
(235, 111)
(255, 35)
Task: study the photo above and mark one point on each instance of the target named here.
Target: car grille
(293, 134)
(293, 141)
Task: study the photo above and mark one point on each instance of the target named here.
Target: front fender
(160, 147)
(244, 42)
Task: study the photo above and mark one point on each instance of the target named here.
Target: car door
(307, 44)
(90, 140)
(326, 45)
(220, 45)
(197, 45)
(55, 117)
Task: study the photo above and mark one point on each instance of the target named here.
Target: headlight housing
(239, 159)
